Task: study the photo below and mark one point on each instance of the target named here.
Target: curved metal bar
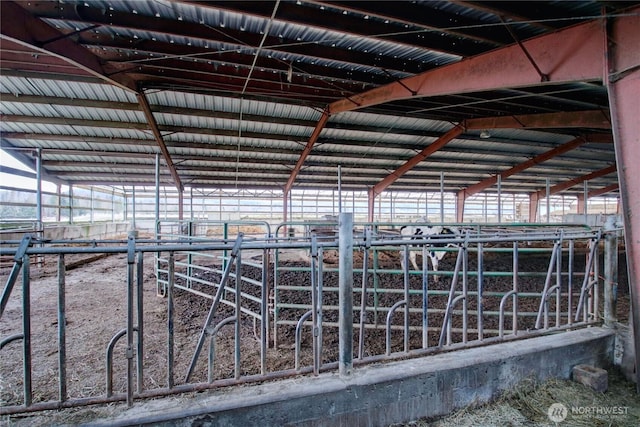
(393, 308)
(446, 324)
(303, 319)
(212, 344)
(570, 283)
(363, 291)
(314, 303)
(545, 298)
(10, 339)
(15, 270)
(109, 362)
(480, 279)
(452, 290)
(503, 302)
(214, 305)
(514, 317)
(585, 282)
(320, 312)
(585, 307)
(425, 298)
(547, 282)
(406, 307)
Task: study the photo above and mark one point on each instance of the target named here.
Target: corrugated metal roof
(192, 60)
(64, 89)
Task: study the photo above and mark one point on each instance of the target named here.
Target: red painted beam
(575, 181)
(599, 138)
(596, 119)
(603, 190)
(411, 163)
(594, 193)
(623, 84)
(573, 54)
(482, 185)
(153, 125)
(540, 194)
(307, 150)
(18, 26)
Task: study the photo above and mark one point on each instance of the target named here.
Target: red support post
(623, 83)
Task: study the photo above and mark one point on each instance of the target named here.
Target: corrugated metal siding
(72, 112)
(64, 89)
(213, 104)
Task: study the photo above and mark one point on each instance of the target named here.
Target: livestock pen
(239, 303)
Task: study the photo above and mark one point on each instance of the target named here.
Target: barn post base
(384, 394)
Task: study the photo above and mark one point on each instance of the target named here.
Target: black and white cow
(418, 231)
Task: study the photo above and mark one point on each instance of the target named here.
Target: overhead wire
(246, 84)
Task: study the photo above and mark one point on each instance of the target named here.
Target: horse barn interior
(230, 213)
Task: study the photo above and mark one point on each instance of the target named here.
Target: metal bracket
(11, 280)
(543, 77)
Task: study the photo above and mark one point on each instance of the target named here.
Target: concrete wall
(86, 231)
(386, 393)
(81, 231)
(592, 220)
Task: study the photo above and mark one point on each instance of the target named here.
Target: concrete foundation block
(380, 394)
(624, 352)
(593, 377)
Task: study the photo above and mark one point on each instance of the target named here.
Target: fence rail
(281, 290)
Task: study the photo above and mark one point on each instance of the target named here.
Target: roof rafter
(408, 13)
(306, 151)
(244, 41)
(482, 185)
(358, 27)
(575, 181)
(18, 26)
(570, 55)
(596, 119)
(600, 191)
(146, 108)
(409, 164)
(537, 195)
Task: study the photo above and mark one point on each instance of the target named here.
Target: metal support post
(339, 189)
(133, 208)
(180, 204)
(585, 207)
(170, 313)
(345, 296)
(191, 203)
(610, 271)
(548, 195)
(623, 87)
(91, 204)
(59, 202)
(499, 198)
(26, 331)
(62, 325)
(70, 204)
(157, 201)
(131, 260)
(39, 187)
(441, 196)
(140, 320)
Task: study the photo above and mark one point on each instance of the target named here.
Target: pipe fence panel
(239, 303)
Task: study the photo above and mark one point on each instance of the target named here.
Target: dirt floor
(96, 311)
